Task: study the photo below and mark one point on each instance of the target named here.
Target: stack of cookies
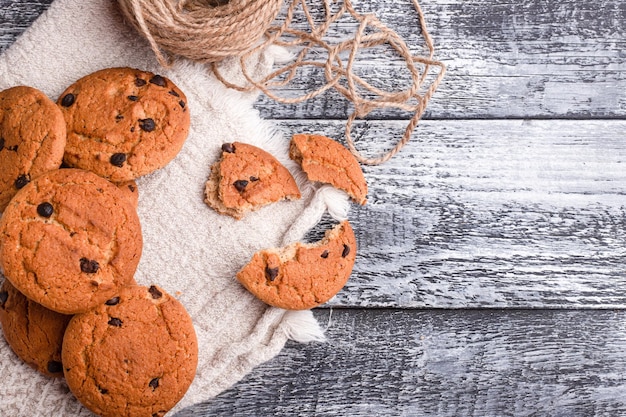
(70, 236)
(70, 240)
(299, 276)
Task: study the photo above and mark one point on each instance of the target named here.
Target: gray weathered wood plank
(486, 213)
(505, 59)
(443, 363)
(16, 16)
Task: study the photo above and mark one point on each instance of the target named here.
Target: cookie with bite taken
(302, 276)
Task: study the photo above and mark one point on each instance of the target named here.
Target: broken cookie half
(301, 276)
(325, 160)
(247, 178)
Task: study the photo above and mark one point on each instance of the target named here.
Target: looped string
(412, 99)
(209, 31)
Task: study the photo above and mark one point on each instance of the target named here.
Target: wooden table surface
(490, 278)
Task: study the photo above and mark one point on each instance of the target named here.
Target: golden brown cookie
(302, 276)
(247, 178)
(34, 333)
(123, 123)
(327, 161)
(69, 240)
(133, 355)
(32, 138)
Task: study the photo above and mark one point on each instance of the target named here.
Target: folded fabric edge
(302, 327)
(337, 202)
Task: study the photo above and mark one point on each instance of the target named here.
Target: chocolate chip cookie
(123, 123)
(302, 276)
(247, 178)
(327, 161)
(34, 333)
(134, 355)
(69, 240)
(32, 138)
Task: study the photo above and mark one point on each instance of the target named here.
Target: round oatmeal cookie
(32, 138)
(327, 161)
(123, 123)
(33, 332)
(69, 240)
(133, 355)
(247, 178)
(302, 276)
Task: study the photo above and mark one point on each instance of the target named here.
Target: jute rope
(201, 30)
(208, 33)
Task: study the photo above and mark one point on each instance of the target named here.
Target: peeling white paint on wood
(490, 213)
(505, 59)
(443, 363)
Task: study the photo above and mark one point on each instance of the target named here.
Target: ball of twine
(200, 30)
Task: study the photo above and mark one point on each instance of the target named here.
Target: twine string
(210, 30)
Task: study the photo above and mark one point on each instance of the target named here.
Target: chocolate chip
(131, 188)
(254, 179)
(89, 266)
(12, 148)
(21, 181)
(133, 98)
(132, 129)
(174, 93)
(118, 159)
(181, 104)
(103, 391)
(147, 125)
(154, 292)
(114, 321)
(228, 147)
(4, 296)
(240, 185)
(54, 367)
(324, 254)
(119, 117)
(45, 210)
(68, 100)
(140, 82)
(346, 251)
(1, 144)
(113, 301)
(154, 383)
(271, 273)
(158, 80)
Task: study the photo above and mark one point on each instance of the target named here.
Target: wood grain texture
(505, 59)
(443, 363)
(477, 213)
(16, 16)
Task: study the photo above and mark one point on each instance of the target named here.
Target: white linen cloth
(189, 250)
